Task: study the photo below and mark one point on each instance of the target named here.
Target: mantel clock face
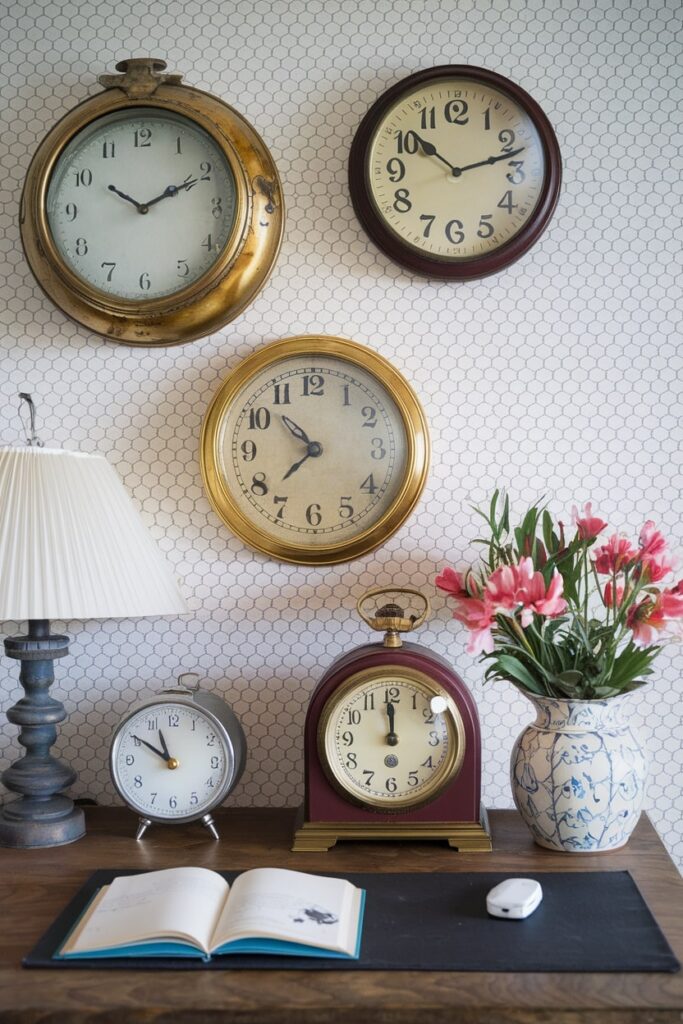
(455, 172)
(151, 213)
(315, 450)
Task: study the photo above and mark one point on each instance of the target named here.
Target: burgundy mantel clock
(392, 742)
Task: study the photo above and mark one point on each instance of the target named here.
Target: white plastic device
(515, 898)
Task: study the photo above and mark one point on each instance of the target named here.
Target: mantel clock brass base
(320, 836)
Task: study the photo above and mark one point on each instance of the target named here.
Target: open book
(194, 912)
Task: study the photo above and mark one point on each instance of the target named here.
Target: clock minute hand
(172, 190)
(457, 171)
(154, 750)
(392, 738)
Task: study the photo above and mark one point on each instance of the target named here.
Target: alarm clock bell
(392, 742)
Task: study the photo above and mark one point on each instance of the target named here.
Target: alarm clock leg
(208, 822)
(143, 825)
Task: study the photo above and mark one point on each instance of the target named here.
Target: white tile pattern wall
(559, 377)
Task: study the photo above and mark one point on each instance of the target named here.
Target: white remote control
(515, 898)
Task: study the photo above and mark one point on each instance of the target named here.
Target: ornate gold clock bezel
(417, 461)
(247, 258)
(326, 752)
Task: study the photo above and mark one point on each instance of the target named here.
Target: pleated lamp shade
(72, 545)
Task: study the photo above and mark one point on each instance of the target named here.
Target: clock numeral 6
(313, 516)
(454, 232)
(144, 282)
(391, 784)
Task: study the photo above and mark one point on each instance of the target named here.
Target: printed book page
(178, 903)
(292, 906)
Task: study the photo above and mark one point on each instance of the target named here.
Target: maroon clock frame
(459, 802)
(420, 263)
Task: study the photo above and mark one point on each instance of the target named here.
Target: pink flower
(587, 525)
(608, 596)
(478, 616)
(654, 558)
(536, 599)
(649, 617)
(503, 585)
(615, 555)
(451, 582)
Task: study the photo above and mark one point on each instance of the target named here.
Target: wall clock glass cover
(455, 172)
(315, 450)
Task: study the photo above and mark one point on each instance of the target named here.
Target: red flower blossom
(588, 526)
(615, 555)
(649, 617)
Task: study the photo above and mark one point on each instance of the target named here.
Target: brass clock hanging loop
(140, 77)
(391, 618)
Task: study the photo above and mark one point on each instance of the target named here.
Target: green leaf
(513, 669)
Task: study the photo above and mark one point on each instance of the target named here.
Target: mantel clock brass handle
(391, 618)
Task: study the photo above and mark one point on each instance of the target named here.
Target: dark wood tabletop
(36, 884)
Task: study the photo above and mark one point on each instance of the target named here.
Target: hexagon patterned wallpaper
(559, 377)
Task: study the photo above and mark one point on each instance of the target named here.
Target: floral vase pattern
(578, 774)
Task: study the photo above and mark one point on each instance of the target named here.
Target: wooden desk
(36, 884)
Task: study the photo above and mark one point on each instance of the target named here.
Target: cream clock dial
(314, 450)
(390, 740)
(455, 172)
(141, 203)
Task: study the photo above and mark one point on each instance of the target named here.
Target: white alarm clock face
(141, 203)
(391, 740)
(169, 761)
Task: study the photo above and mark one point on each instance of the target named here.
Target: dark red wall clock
(455, 172)
(392, 743)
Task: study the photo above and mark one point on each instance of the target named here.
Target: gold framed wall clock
(315, 450)
(152, 213)
(455, 172)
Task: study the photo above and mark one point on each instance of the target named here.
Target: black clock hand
(172, 190)
(457, 171)
(314, 451)
(163, 745)
(296, 430)
(392, 738)
(140, 207)
(429, 149)
(159, 753)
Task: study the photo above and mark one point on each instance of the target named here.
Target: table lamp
(72, 546)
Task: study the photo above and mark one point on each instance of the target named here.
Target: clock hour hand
(298, 433)
(171, 762)
(429, 149)
(140, 207)
(457, 171)
(392, 738)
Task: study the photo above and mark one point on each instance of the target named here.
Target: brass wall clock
(392, 742)
(315, 450)
(455, 172)
(151, 213)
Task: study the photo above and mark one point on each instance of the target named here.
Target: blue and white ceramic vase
(578, 773)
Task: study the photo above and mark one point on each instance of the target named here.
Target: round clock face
(455, 172)
(315, 452)
(391, 740)
(141, 203)
(169, 761)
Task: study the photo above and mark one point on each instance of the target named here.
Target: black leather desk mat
(592, 921)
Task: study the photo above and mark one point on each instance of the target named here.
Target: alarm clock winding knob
(391, 618)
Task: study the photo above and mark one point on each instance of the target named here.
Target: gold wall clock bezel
(417, 455)
(437, 785)
(247, 258)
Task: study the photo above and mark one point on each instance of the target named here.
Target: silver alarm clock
(176, 758)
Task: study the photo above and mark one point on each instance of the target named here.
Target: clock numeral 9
(455, 112)
(401, 201)
(396, 169)
(71, 211)
(454, 232)
(347, 738)
(130, 760)
(248, 449)
(313, 516)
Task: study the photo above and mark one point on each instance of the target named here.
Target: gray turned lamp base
(42, 816)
